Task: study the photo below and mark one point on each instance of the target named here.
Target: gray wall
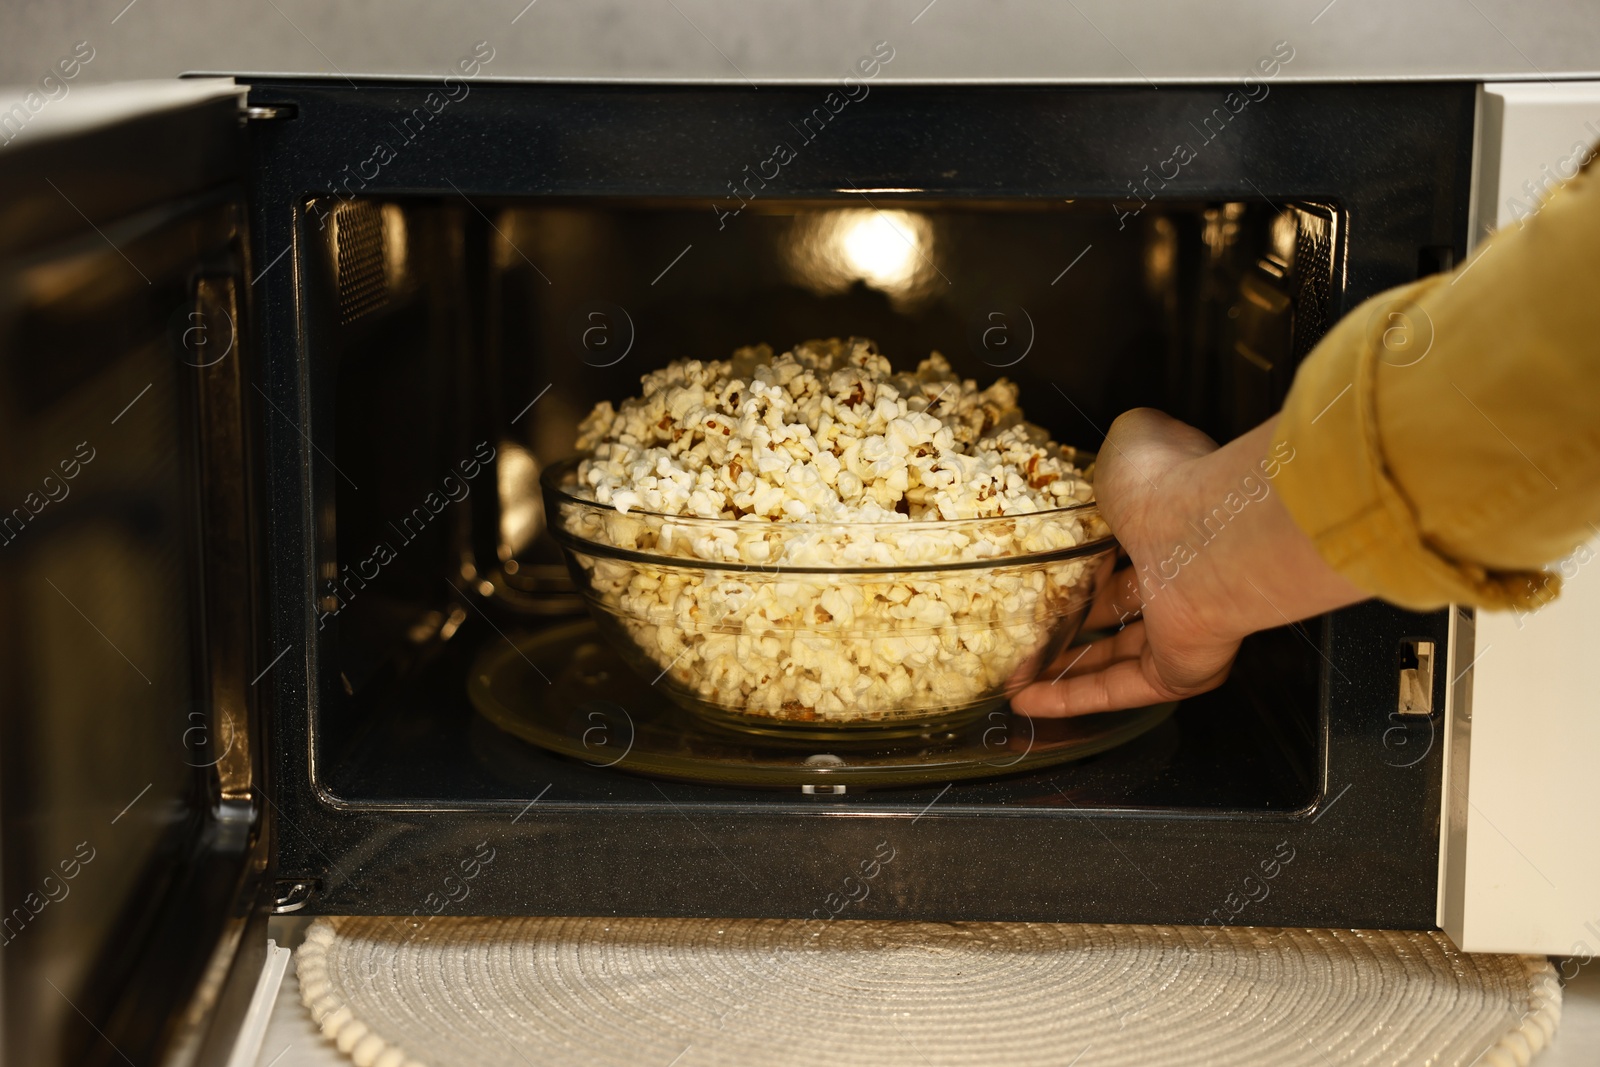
(1105, 40)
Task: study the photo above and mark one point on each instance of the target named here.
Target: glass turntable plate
(562, 690)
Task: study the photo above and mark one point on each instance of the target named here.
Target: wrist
(1235, 561)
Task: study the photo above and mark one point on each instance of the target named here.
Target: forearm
(1248, 565)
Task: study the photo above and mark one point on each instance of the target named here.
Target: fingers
(1126, 643)
(1114, 673)
(1124, 684)
(1072, 684)
(1117, 601)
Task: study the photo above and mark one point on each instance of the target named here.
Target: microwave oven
(250, 332)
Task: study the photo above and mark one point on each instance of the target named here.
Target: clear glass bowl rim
(551, 477)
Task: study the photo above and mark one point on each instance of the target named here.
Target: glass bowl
(832, 630)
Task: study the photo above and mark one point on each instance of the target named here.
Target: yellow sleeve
(1446, 434)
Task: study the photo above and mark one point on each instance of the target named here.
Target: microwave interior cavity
(459, 341)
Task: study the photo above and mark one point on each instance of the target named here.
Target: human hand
(1213, 556)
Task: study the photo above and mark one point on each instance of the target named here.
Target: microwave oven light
(888, 250)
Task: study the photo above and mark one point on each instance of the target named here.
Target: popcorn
(824, 457)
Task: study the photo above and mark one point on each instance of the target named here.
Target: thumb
(1140, 448)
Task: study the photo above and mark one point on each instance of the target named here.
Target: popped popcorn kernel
(829, 433)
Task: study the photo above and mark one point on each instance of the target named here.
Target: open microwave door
(130, 839)
(1524, 725)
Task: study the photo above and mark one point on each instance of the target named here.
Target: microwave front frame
(1395, 157)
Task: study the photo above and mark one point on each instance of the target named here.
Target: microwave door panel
(1520, 803)
(125, 790)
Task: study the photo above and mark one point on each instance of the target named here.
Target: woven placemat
(696, 992)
